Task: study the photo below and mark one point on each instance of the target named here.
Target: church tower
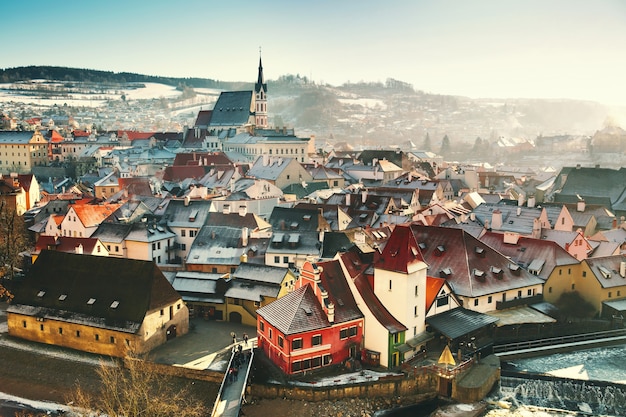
(260, 89)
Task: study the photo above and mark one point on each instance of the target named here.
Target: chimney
(519, 211)
(580, 206)
(531, 201)
(226, 209)
(536, 228)
(243, 210)
(363, 196)
(79, 249)
(187, 200)
(496, 219)
(622, 269)
(330, 311)
(244, 237)
(348, 197)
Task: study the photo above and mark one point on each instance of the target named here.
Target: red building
(316, 325)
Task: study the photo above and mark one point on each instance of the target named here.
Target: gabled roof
(193, 214)
(92, 215)
(401, 251)
(296, 312)
(232, 109)
(526, 250)
(433, 286)
(595, 185)
(607, 270)
(271, 169)
(66, 244)
(134, 135)
(296, 219)
(203, 118)
(260, 273)
(135, 186)
(334, 282)
(471, 267)
(459, 321)
(60, 285)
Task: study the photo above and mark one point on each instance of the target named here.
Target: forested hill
(10, 75)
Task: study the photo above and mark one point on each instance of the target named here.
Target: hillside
(390, 113)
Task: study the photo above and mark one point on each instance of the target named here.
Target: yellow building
(602, 280)
(96, 304)
(21, 151)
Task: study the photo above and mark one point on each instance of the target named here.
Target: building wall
(563, 279)
(21, 157)
(488, 302)
(332, 350)
(98, 340)
(147, 251)
(404, 295)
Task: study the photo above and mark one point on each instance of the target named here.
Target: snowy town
(351, 265)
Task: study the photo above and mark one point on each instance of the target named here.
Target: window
(183, 246)
(442, 301)
(77, 333)
(415, 311)
(489, 300)
(296, 344)
(343, 334)
(161, 312)
(112, 339)
(352, 331)
(519, 294)
(262, 326)
(97, 336)
(285, 259)
(316, 340)
(276, 259)
(610, 294)
(153, 246)
(416, 290)
(117, 248)
(549, 290)
(41, 327)
(584, 274)
(24, 323)
(389, 285)
(476, 302)
(327, 359)
(270, 333)
(569, 271)
(183, 233)
(281, 342)
(296, 366)
(60, 330)
(316, 362)
(573, 287)
(414, 330)
(192, 233)
(560, 271)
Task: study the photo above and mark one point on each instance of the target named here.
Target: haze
(490, 48)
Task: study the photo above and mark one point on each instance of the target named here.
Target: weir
(581, 396)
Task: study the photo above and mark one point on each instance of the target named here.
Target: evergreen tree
(445, 146)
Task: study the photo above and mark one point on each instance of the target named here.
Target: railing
(555, 341)
(448, 372)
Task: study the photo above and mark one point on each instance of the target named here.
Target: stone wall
(387, 387)
(475, 384)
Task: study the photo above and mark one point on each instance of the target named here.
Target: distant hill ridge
(10, 75)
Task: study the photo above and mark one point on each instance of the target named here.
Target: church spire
(260, 90)
(260, 83)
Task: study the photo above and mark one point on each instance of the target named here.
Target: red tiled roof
(400, 251)
(66, 244)
(132, 135)
(334, 282)
(356, 268)
(93, 215)
(55, 137)
(80, 133)
(136, 186)
(204, 117)
(25, 180)
(433, 286)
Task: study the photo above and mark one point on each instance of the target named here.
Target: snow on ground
(369, 103)
(349, 378)
(38, 405)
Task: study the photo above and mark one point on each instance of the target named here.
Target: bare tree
(13, 241)
(133, 390)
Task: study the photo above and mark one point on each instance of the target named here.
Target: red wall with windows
(304, 351)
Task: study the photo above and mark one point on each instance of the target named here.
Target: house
(185, 218)
(78, 245)
(107, 186)
(81, 220)
(279, 171)
(236, 296)
(20, 151)
(603, 284)
(295, 236)
(315, 326)
(545, 259)
(248, 195)
(96, 304)
(482, 278)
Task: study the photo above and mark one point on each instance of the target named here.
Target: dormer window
(440, 250)
(91, 301)
(480, 252)
(62, 297)
(41, 293)
(114, 304)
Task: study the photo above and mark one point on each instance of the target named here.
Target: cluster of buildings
(371, 256)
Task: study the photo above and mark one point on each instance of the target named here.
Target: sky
(477, 48)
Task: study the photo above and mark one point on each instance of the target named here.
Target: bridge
(231, 395)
